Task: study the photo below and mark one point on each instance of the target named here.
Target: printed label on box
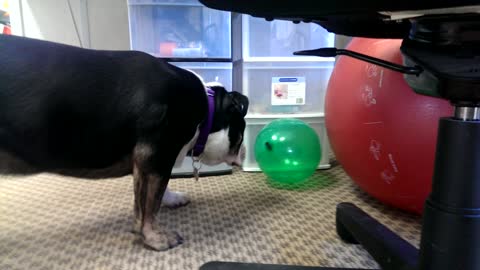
(288, 90)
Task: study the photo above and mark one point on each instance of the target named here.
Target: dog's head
(225, 142)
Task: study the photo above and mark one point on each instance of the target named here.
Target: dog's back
(63, 107)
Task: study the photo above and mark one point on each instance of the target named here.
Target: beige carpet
(51, 222)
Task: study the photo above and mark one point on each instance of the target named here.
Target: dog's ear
(230, 108)
(239, 103)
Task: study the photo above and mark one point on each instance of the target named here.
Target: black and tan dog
(96, 113)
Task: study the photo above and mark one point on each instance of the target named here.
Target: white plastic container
(279, 39)
(211, 71)
(283, 87)
(256, 123)
(179, 29)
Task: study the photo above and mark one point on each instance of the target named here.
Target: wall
(101, 24)
(108, 24)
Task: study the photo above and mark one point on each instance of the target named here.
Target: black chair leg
(391, 252)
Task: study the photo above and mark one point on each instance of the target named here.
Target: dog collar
(206, 126)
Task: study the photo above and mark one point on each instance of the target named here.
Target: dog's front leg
(149, 187)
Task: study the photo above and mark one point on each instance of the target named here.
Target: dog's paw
(173, 199)
(161, 239)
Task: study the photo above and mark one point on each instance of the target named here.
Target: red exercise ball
(382, 132)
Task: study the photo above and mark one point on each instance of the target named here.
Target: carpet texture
(53, 222)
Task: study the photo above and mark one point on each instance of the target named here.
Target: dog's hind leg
(151, 175)
(138, 180)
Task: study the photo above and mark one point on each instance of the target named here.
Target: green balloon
(288, 150)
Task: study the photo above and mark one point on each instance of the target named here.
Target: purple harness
(206, 126)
